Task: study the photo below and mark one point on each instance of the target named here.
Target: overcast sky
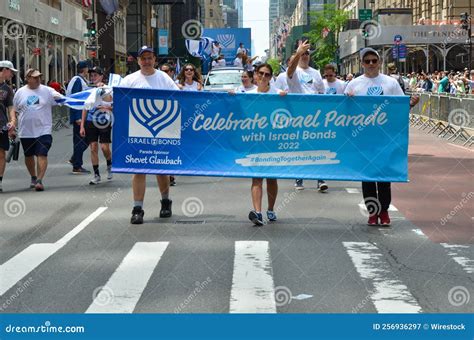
(256, 18)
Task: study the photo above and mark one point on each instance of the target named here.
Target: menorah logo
(154, 118)
(226, 40)
(375, 91)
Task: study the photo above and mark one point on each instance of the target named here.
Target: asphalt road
(71, 249)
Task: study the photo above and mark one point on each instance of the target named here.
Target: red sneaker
(384, 218)
(373, 220)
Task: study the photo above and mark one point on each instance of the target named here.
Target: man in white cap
(33, 103)
(7, 114)
(374, 83)
(149, 78)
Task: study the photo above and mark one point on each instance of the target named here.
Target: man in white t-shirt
(374, 83)
(332, 85)
(242, 50)
(219, 62)
(33, 103)
(149, 78)
(301, 78)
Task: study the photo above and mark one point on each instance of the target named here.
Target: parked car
(223, 79)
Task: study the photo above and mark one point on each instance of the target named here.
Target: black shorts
(4, 141)
(36, 146)
(96, 133)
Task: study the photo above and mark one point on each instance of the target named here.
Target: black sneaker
(80, 171)
(165, 207)
(256, 218)
(322, 186)
(137, 215)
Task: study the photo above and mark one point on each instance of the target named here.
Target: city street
(71, 249)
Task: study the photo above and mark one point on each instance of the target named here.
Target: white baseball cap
(7, 64)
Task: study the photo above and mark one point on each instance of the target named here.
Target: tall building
(239, 6)
(211, 14)
(428, 28)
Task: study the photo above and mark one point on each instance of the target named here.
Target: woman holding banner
(189, 79)
(264, 73)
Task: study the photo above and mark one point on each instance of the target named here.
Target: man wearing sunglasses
(301, 78)
(374, 83)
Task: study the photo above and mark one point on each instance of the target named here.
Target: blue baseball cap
(144, 49)
(82, 64)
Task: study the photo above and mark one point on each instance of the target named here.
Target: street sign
(365, 14)
(93, 47)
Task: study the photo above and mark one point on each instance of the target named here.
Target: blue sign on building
(229, 39)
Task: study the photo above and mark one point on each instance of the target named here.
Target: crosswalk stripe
(125, 287)
(253, 290)
(456, 252)
(389, 294)
(353, 191)
(26, 261)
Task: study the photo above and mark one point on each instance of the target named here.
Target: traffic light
(465, 21)
(92, 27)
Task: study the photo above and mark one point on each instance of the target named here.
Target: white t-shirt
(272, 90)
(238, 62)
(187, 87)
(307, 81)
(382, 85)
(281, 82)
(336, 87)
(35, 110)
(241, 50)
(243, 89)
(219, 63)
(158, 80)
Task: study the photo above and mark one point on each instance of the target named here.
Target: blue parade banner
(226, 326)
(229, 39)
(333, 137)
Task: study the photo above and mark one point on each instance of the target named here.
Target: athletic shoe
(172, 181)
(299, 184)
(373, 220)
(322, 186)
(80, 171)
(384, 218)
(137, 215)
(39, 186)
(271, 215)
(110, 175)
(32, 183)
(69, 161)
(256, 218)
(165, 208)
(95, 180)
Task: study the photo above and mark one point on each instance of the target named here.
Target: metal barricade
(60, 117)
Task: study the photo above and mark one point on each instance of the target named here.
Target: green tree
(331, 19)
(275, 64)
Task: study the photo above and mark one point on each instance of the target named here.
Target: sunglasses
(189, 69)
(370, 61)
(264, 74)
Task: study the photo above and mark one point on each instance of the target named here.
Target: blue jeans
(79, 146)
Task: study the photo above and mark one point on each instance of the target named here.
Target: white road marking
(389, 294)
(125, 287)
(390, 208)
(459, 254)
(253, 290)
(353, 190)
(23, 263)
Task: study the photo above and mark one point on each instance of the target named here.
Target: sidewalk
(440, 196)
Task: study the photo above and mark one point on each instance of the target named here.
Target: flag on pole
(87, 3)
(178, 68)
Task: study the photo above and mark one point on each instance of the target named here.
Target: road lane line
(126, 285)
(390, 208)
(353, 191)
(26, 261)
(389, 294)
(253, 290)
(458, 253)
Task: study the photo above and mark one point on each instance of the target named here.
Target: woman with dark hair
(264, 74)
(189, 79)
(247, 82)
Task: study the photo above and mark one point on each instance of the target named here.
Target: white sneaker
(299, 184)
(110, 175)
(95, 180)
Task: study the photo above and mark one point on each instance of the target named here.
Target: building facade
(211, 14)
